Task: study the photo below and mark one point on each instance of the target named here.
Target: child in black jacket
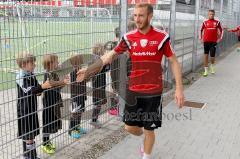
(28, 88)
(78, 96)
(99, 87)
(52, 102)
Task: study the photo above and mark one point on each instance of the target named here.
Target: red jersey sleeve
(122, 46)
(167, 49)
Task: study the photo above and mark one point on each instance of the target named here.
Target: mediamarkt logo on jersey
(144, 53)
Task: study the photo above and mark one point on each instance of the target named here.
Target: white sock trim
(146, 156)
(206, 69)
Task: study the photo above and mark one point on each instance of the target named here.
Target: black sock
(75, 121)
(96, 112)
(31, 148)
(46, 140)
(114, 102)
(25, 153)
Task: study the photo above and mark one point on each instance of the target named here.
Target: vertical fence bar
(123, 67)
(230, 7)
(195, 41)
(212, 4)
(172, 22)
(221, 10)
(172, 37)
(44, 29)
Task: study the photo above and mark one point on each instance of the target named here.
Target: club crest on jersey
(143, 42)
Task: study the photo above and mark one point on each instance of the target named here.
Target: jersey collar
(150, 30)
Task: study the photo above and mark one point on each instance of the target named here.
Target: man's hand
(47, 84)
(179, 97)
(81, 74)
(219, 40)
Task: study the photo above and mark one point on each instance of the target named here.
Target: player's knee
(134, 130)
(149, 133)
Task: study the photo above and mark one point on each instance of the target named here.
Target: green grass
(8, 80)
(41, 37)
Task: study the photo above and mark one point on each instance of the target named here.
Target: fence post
(221, 9)
(212, 4)
(21, 14)
(230, 7)
(123, 67)
(195, 41)
(220, 46)
(172, 22)
(172, 37)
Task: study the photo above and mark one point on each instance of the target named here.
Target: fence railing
(65, 33)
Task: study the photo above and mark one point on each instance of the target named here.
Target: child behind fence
(27, 89)
(115, 71)
(99, 87)
(52, 102)
(78, 97)
(115, 75)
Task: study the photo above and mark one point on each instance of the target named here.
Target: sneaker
(141, 149)
(96, 124)
(47, 149)
(75, 134)
(238, 49)
(53, 146)
(82, 130)
(113, 111)
(212, 69)
(24, 157)
(205, 74)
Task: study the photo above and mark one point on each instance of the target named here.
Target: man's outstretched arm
(105, 59)
(97, 66)
(234, 30)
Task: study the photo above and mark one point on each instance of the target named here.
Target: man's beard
(145, 25)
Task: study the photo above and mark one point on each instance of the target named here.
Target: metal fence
(66, 32)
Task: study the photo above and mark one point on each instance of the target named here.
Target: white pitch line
(8, 70)
(38, 44)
